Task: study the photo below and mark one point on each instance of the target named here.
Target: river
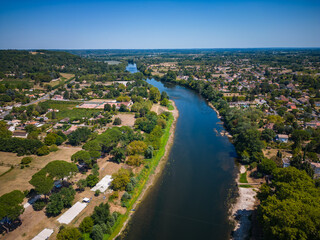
(191, 198)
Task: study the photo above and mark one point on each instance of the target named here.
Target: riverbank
(152, 178)
(242, 209)
(244, 205)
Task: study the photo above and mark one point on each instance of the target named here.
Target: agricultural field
(69, 109)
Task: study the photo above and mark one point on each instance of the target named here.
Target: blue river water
(190, 200)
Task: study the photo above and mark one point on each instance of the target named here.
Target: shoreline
(153, 177)
(241, 209)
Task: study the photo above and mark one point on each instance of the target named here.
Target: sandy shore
(242, 210)
(152, 178)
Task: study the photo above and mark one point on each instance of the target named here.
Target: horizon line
(159, 48)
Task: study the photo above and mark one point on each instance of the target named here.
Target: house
(269, 126)
(57, 97)
(312, 124)
(282, 138)
(316, 168)
(20, 134)
(285, 162)
(70, 130)
(283, 98)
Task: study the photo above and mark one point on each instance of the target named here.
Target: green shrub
(26, 160)
(53, 148)
(44, 150)
(39, 205)
(97, 193)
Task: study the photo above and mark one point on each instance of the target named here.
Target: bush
(97, 193)
(114, 195)
(134, 160)
(129, 187)
(92, 180)
(97, 233)
(39, 205)
(69, 233)
(53, 148)
(86, 225)
(117, 121)
(126, 196)
(26, 160)
(120, 179)
(44, 150)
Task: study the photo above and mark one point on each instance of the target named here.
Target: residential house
(316, 168)
(285, 162)
(282, 138)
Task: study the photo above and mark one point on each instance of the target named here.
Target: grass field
(243, 178)
(68, 109)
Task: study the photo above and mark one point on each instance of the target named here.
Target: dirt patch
(158, 108)
(67, 75)
(4, 169)
(116, 208)
(127, 119)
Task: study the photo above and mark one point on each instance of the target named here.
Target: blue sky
(84, 24)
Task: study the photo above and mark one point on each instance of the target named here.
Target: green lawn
(68, 109)
(243, 178)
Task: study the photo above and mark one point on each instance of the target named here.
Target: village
(282, 94)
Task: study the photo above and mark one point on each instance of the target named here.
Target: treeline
(44, 65)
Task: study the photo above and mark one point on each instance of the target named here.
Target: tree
(59, 201)
(50, 139)
(69, 233)
(79, 135)
(44, 150)
(149, 152)
(118, 154)
(43, 184)
(289, 209)
(300, 135)
(117, 121)
(164, 102)
(164, 95)
(86, 225)
(267, 166)
(107, 107)
(26, 160)
(134, 160)
(97, 233)
(123, 108)
(60, 169)
(66, 95)
(155, 94)
(81, 184)
(11, 206)
(4, 132)
(82, 157)
(268, 135)
(136, 147)
(101, 213)
(120, 179)
(92, 180)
